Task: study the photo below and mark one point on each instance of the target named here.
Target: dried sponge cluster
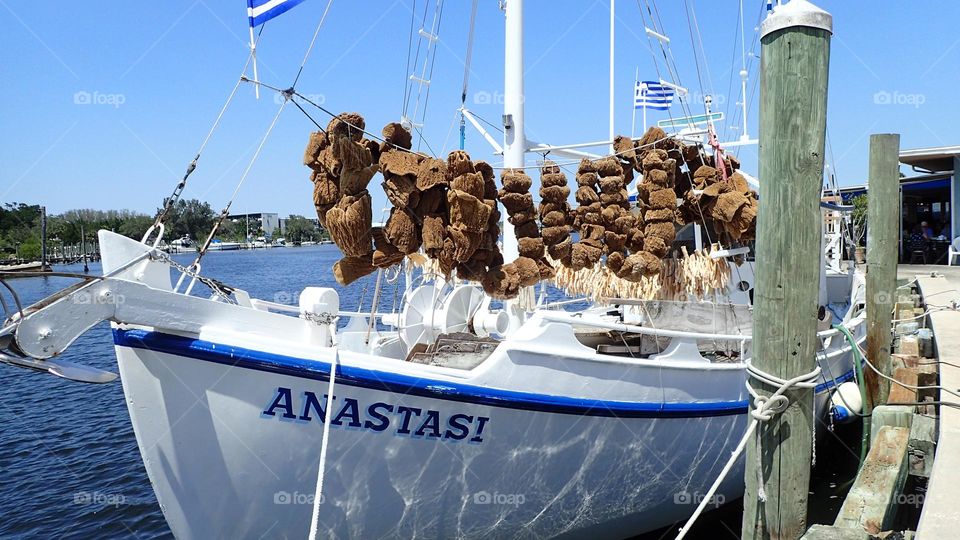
(505, 280)
(343, 163)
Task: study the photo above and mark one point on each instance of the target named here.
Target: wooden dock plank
(872, 501)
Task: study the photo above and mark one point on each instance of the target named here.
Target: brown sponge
(467, 211)
(562, 250)
(553, 179)
(401, 191)
(516, 202)
(554, 235)
(471, 183)
(515, 181)
(553, 218)
(349, 223)
(325, 188)
(396, 135)
(640, 265)
(348, 124)
(530, 247)
(458, 163)
(349, 269)
(584, 256)
(528, 271)
(402, 231)
(434, 232)
(431, 172)
(662, 198)
(554, 193)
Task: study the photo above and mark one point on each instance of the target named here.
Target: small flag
(261, 11)
(652, 95)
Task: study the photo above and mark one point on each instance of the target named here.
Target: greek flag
(652, 95)
(261, 11)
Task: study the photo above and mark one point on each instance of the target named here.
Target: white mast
(514, 141)
(612, 18)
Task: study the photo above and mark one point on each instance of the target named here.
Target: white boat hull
(232, 452)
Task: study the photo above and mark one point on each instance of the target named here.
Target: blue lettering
(310, 401)
(350, 409)
(384, 422)
(455, 423)
(406, 412)
(283, 401)
(432, 423)
(481, 422)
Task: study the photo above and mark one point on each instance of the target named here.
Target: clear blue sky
(158, 72)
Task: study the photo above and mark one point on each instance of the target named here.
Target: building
(257, 222)
(928, 193)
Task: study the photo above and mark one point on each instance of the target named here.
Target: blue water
(69, 462)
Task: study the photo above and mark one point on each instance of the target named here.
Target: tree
(190, 217)
(135, 226)
(859, 219)
(300, 229)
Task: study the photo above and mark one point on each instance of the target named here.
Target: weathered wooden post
(794, 62)
(883, 197)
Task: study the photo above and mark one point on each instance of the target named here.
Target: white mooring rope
(318, 492)
(765, 408)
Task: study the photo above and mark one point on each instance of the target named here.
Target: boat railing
(665, 332)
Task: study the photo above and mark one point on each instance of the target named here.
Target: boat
(220, 245)
(450, 417)
(35, 266)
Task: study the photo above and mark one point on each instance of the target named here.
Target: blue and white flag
(261, 11)
(652, 95)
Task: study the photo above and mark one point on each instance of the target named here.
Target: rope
(226, 209)
(318, 493)
(192, 166)
(765, 408)
(312, 41)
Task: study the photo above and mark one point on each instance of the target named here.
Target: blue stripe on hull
(405, 384)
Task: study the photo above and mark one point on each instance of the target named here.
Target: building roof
(933, 159)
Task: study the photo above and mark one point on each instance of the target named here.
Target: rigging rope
(312, 41)
(324, 440)
(765, 408)
(192, 166)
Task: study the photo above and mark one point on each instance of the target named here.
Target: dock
(941, 513)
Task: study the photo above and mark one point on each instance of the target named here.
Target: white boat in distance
(448, 419)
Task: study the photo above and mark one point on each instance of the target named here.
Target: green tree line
(20, 226)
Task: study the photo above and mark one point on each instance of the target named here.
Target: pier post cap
(797, 13)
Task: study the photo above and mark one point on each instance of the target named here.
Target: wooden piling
(883, 200)
(795, 57)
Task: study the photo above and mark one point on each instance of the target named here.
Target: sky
(104, 103)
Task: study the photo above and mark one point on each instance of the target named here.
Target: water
(69, 462)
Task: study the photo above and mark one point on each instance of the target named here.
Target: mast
(514, 137)
(613, 4)
(514, 140)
